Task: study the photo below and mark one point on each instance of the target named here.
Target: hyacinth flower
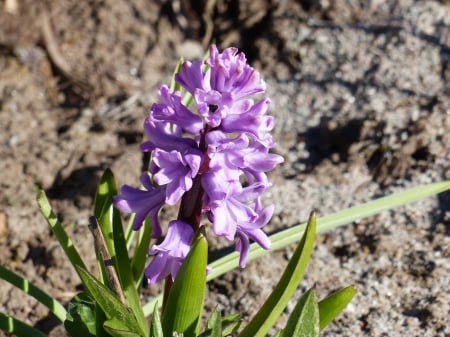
(212, 155)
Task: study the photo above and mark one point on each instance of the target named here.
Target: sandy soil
(361, 92)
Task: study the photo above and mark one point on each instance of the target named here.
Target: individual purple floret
(143, 202)
(212, 154)
(171, 252)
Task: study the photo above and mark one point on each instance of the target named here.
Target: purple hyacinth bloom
(212, 154)
(171, 252)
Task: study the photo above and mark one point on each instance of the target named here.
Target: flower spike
(212, 155)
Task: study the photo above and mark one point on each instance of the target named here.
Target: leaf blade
(335, 220)
(29, 288)
(156, 326)
(18, 328)
(108, 302)
(185, 301)
(304, 319)
(81, 318)
(272, 308)
(332, 305)
(57, 229)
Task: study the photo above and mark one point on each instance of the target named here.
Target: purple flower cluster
(211, 154)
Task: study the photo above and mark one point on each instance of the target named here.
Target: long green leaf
(111, 225)
(106, 189)
(140, 253)
(185, 301)
(175, 86)
(59, 231)
(304, 319)
(156, 326)
(108, 302)
(18, 328)
(129, 231)
(332, 305)
(291, 235)
(279, 298)
(29, 288)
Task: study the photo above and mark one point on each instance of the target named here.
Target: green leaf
(185, 301)
(304, 320)
(104, 211)
(333, 305)
(108, 302)
(213, 325)
(226, 326)
(140, 253)
(59, 231)
(117, 328)
(344, 217)
(175, 86)
(18, 328)
(112, 230)
(231, 324)
(156, 327)
(100, 319)
(29, 288)
(271, 310)
(129, 231)
(81, 316)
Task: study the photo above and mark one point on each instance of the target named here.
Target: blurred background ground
(361, 93)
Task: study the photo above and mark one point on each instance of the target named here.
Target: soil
(361, 96)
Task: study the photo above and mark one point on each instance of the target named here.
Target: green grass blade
(332, 305)
(58, 230)
(18, 328)
(290, 235)
(52, 304)
(272, 308)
